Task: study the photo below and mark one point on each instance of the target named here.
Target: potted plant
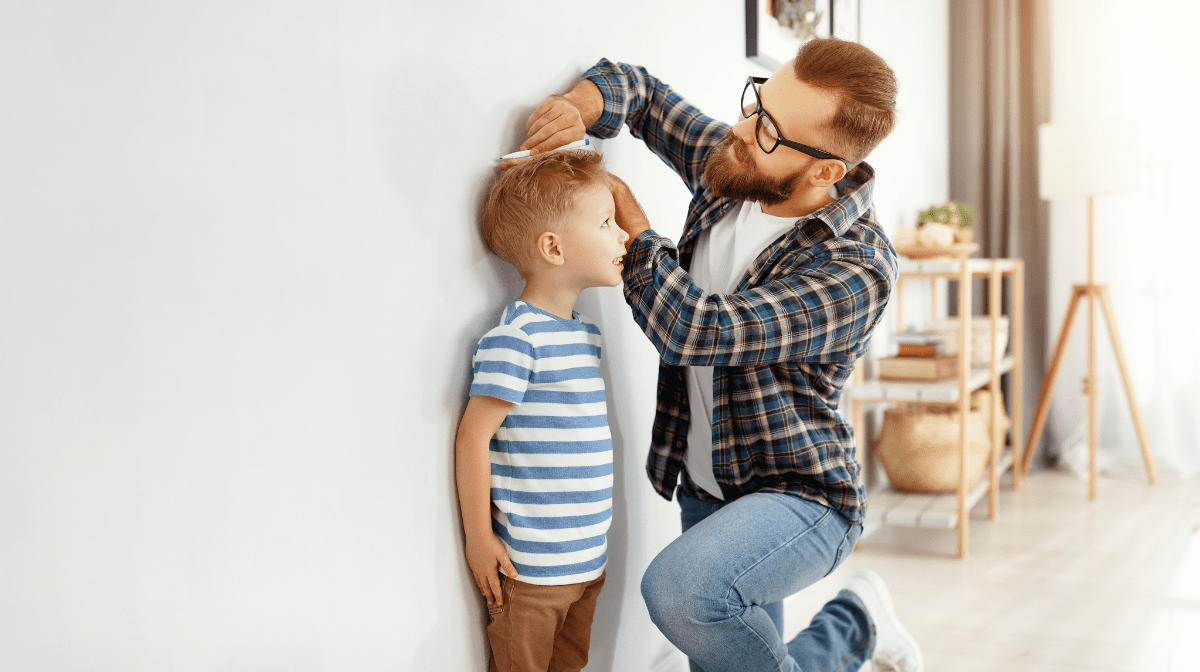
(957, 216)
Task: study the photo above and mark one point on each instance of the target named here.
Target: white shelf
(891, 507)
(908, 266)
(941, 391)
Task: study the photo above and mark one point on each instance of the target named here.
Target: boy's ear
(549, 247)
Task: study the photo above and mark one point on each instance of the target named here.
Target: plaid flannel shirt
(782, 345)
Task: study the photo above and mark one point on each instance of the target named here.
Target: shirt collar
(855, 200)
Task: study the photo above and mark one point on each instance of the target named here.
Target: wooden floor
(1055, 583)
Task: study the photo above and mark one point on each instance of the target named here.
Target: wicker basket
(981, 337)
(919, 444)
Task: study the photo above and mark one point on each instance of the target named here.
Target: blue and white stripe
(552, 467)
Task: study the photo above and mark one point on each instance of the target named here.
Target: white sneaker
(895, 648)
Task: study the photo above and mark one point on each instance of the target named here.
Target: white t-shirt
(722, 256)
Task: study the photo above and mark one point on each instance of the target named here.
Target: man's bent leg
(691, 512)
(843, 620)
(707, 591)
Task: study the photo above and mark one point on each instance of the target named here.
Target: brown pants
(542, 628)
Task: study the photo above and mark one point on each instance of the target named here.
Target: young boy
(533, 453)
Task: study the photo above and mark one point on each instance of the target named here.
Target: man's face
(739, 168)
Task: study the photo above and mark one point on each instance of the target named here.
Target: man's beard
(730, 181)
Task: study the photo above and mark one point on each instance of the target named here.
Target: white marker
(524, 154)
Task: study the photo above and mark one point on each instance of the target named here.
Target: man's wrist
(636, 229)
(586, 98)
(634, 225)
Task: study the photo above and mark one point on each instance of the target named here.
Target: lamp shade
(1087, 158)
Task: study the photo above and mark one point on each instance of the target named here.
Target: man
(759, 315)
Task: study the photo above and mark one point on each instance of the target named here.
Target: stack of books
(921, 355)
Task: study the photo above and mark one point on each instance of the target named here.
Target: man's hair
(865, 88)
(533, 196)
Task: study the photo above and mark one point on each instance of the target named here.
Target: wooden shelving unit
(951, 511)
(940, 512)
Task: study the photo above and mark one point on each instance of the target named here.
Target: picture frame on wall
(775, 29)
(845, 16)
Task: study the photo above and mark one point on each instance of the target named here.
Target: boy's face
(592, 243)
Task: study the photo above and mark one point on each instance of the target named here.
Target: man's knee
(655, 587)
(680, 596)
(665, 593)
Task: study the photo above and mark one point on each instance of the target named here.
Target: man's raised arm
(559, 120)
(613, 95)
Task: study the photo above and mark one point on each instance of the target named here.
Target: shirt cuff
(609, 78)
(643, 253)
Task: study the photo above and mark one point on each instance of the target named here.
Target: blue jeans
(717, 591)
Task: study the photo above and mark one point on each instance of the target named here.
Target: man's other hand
(629, 214)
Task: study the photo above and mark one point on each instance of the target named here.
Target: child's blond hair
(532, 197)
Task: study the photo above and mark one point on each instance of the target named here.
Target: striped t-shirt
(552, 469)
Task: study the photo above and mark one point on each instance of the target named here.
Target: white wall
(240, 281)
(1085, 86)
(913, 164)
(1111, 65)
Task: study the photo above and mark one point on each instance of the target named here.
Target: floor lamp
(1086, 159)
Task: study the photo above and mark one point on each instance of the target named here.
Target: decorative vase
(964, 235)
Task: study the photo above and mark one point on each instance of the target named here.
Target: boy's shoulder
(531, 320)
(508, 334)
(519, 315)
(523, 328)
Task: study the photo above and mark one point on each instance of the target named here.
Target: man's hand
(559, 120)
(629, 214)
(555, 122)
(484, 553)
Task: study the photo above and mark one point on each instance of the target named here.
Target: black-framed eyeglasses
(766, 131)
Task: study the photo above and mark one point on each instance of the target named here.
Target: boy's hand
(629, 214)
(484, 554)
